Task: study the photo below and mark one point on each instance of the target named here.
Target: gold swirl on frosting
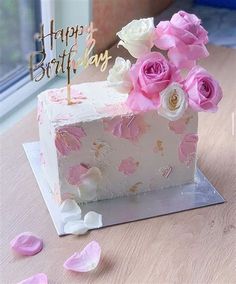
(159, 147)
(135, 188)
(97, 148)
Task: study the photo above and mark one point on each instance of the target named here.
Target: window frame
(24, 88)
(18, 94)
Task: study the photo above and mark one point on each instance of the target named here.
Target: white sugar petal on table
(75, 227)
(70, 210)
(86, 260)
(27, 244)
(93, 220)
(39, 278)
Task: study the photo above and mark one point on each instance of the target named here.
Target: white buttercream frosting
(92, 107)
(115, 148)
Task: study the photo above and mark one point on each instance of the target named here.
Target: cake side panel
(125, 155)
(48, 152)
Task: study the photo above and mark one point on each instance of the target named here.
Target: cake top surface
(91, 101)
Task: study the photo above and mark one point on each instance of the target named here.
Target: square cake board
(120, 210)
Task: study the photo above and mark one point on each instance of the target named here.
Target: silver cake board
(201, 193)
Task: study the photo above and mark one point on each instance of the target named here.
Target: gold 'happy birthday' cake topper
(66, 60)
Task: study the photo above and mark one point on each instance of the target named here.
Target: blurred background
(21, 19)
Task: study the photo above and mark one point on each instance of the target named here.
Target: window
(19, 21)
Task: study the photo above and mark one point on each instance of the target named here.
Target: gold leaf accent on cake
(166, 171)
(130, 121)
(97, 148)
(100, 149)
(135, 188)
(159, 147)
(187, 119)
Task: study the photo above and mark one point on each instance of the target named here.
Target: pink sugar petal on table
(86, 260)
(39, 278)
(27, 244)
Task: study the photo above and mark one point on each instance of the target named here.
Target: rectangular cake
(97, 148)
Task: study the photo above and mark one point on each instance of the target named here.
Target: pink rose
(150, 75)
(184, 37)
(188, 148)
(203, 90)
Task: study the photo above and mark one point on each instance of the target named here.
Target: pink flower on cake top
(183, 37)
(151, 74)
(154, 81)
(203, 90)
(137, 37)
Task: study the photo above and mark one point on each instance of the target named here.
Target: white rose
(119, 75)
(137, 37)
(173, 102)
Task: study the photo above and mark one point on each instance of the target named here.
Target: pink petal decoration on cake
(63, 117)
(39, 278)
(27, 244)
(114, 110)
(178, 126)
(129, 127)
(59, 96)
(75, 172)
(86, 260)
(40, 112)
(188, 148)
(68, 139)
(128, 166)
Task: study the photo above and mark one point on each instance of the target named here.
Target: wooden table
(197, 246)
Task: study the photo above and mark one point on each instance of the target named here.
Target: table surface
(197, 246)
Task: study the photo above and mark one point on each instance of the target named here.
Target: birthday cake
(136, 131)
